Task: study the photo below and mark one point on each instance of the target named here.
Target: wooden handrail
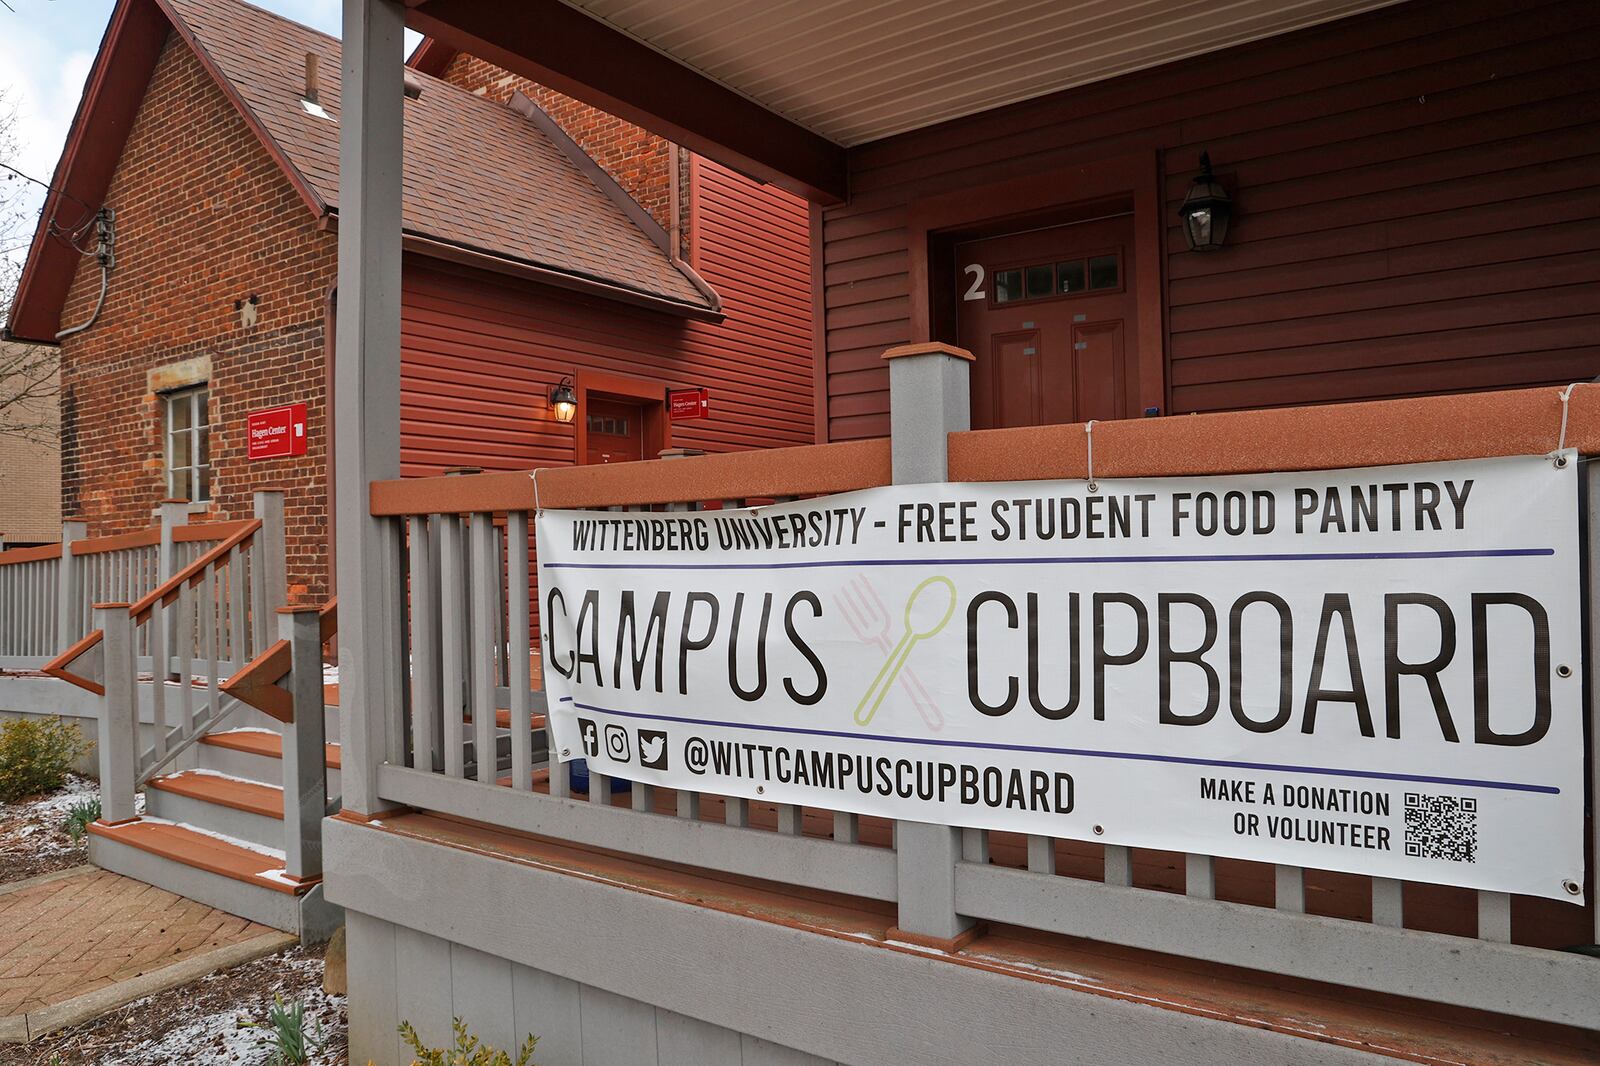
(193, 574)
(30, 555)
(257, 684)
(140, 538)
(1326, 437)
(208, 531)
(812, 469)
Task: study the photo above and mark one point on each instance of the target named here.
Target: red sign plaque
(277, 432)
(684, 404)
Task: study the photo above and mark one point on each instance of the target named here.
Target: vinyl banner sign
(1375, 670)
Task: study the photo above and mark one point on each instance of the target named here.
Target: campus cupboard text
(1375, 670)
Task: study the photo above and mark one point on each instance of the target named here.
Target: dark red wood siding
(480, 351)
(1417, 195)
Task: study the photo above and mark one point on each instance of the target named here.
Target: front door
(615, 430)
(1049, 315)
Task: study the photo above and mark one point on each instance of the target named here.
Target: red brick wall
(204, 218)
(638, 160)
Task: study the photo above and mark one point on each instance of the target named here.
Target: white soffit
(855, 71)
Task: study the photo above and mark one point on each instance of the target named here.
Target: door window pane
(1103, 272)
(1070, 277)
(1007, 286)
(1041, 281)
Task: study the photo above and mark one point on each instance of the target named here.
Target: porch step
(249, 717)
(233, 806)
(230, 875)
(257, 754)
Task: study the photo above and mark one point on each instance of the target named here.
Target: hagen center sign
(684, 404)
(1375, 671)
(277, 432)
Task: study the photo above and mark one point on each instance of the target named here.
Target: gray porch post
(69, 585)
(119, 715)
(367, 381)
(305, 781)
(929, 398)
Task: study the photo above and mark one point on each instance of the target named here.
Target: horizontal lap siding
(1416, 201)
(481, 352)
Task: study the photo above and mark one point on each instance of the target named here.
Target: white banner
(1375, 671)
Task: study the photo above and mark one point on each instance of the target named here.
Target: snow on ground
(226, 1022)
(32, 838)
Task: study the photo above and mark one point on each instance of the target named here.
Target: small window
(1070, 278)
(1103, 272)
(608, 424)
(189, 444)
(1007, 286)
(1041, 281)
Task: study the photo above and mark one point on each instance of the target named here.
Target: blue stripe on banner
(1133, 756)
(1298, 557)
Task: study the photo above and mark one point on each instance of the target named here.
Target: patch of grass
(79, 815)
(36, 755)
(468, 1050)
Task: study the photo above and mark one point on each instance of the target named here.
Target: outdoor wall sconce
(1206, 210)
(563, 401)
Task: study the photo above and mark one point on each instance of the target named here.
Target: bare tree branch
(30, 381)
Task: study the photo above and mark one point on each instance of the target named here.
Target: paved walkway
(77, 935)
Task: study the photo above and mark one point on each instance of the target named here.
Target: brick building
(30, 457)
(546, 242)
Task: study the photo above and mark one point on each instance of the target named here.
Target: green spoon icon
(925, 616)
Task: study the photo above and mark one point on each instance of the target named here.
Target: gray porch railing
(184, 637)
(458, 581)
(47, 594)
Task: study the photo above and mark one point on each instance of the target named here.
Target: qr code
(1442, 827)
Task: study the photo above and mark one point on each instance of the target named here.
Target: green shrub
(468, 1051)
(79, 815)
(36, 754)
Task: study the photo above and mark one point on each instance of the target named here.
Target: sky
(46, 48)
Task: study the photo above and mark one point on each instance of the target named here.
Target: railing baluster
(187, 612)
(1118, 865)
(519, 651)
(1494, 916)
(1388, 902)
(238, 655)
(208, 636)
(451, 624)
(1041, 854)
(156, 635)
(1290, 889)
(425, 701)
(481, 642)
(1200, 876)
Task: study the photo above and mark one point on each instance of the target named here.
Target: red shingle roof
(477, 175)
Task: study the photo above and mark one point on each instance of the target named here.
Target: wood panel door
(1050, 316)
(616, 431)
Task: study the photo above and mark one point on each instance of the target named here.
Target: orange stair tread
(250, 796)
(269, 745)
(198, 850)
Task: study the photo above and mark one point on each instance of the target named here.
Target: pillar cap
(928, 348)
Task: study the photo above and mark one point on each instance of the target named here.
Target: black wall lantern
(563, 401)
(1206, 210)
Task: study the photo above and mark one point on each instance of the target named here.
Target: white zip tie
(1088, 433)
(537, 510)
(1561, 439)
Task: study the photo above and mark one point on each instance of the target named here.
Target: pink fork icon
(868, 618)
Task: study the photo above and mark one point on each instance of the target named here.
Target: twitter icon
(653, 749)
